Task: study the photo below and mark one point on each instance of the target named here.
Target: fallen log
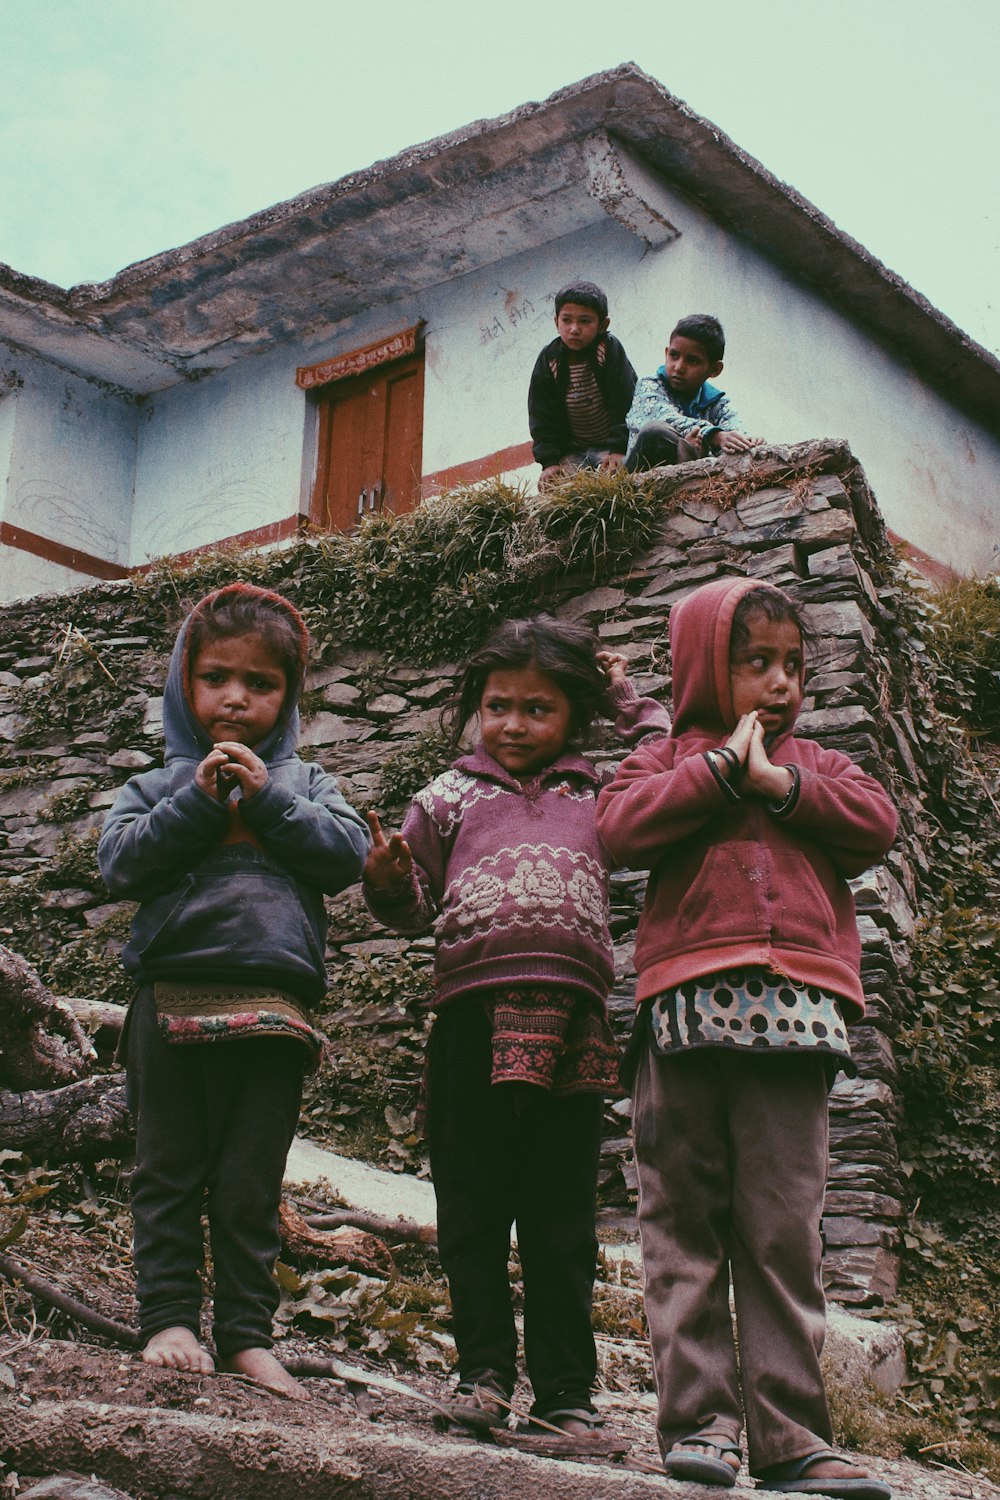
(344, 1245)
(379, 1224)
(83, 1122)
(42, 1043)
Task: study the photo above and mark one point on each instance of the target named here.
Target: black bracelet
(730, 757)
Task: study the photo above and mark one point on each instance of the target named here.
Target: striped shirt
(589, 422)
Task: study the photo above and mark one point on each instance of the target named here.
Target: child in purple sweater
(501, 852)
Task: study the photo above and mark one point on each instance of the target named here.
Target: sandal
(707, 1466)
(565, 1432)
(790, 1478)
(480, 1404)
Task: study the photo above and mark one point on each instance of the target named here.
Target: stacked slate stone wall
(806, 522)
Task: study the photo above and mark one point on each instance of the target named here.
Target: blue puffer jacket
(709, 409)
(230, 893)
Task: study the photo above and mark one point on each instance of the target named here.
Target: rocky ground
(97, 1412)
(88, 1421)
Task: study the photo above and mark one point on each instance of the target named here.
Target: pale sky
(128, 127)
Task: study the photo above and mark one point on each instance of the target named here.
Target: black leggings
(214, 1123)
(505, 1154)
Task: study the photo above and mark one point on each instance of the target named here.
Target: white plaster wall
(8, 412)
(236, 451)
(218, 457)
(794, 368)
(25, 576)
(68, 457)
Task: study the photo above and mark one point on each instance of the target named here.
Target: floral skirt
(557, 1039)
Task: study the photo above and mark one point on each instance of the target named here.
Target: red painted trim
(936, 572)
(260, 536)
(56, 552)
(475, 469)
(97, 567)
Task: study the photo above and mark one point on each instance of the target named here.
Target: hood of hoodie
(700, 630)
(185, 738)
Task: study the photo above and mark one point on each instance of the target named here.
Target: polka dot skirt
(750, 1008)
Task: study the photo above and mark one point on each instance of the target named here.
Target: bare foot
(261, 1366)
(178, 1349)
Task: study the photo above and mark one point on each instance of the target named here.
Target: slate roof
(446, 207)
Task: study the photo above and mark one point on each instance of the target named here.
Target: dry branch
(344, 1246)
(42, 1043)
(40, 1286)
(84, 1122)
(380, 1224)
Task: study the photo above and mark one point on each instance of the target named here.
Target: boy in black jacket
(581, 389)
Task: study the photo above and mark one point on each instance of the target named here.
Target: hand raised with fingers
(614, 666)
(389, 863)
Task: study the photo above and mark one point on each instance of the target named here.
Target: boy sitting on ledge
(581, 388)
(677, 415)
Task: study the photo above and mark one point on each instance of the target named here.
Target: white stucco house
(369, 343)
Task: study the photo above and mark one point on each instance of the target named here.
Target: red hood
(700, 628)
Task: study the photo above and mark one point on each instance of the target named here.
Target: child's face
(579, 326)
(688, 366)
(525, 720)
(238, 687)
(766, 673)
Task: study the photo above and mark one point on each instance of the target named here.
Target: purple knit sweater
(514, 877)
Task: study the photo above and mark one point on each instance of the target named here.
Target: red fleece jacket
(732, 883)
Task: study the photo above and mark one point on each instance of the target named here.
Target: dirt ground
(164, 1436)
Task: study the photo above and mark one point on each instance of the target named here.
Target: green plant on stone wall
(406, 770)
(58, 944)
(63, 807)
(89, 963)
(948, 1053)
(967, 635)
(75, 862)
(949, 1063)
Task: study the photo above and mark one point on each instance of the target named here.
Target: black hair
(706, 331)
(243, 609)
(771, 602)
(586, 294)
(566, 653)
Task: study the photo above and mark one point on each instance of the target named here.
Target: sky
(128, 127)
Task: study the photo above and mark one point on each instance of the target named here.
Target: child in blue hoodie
(228, 850)
(678, 415)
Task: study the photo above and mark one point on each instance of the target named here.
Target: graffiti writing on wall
(515, 312)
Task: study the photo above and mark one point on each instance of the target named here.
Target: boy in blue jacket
(228, 850)
(677, 415)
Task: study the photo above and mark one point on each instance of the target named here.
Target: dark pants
(214, 1124)
(731, 1153)
(659, 443)
(505, 1154)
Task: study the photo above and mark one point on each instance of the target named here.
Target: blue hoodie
(230, 892)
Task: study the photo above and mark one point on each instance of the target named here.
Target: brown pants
(731, 1150)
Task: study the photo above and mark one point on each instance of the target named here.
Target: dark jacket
(547, 419)
(230, 892)
(734, 881)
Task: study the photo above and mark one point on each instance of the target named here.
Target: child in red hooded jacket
(748, 959)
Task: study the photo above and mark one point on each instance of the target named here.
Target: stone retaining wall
(810, 525)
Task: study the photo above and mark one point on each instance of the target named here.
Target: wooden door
(370, 444)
